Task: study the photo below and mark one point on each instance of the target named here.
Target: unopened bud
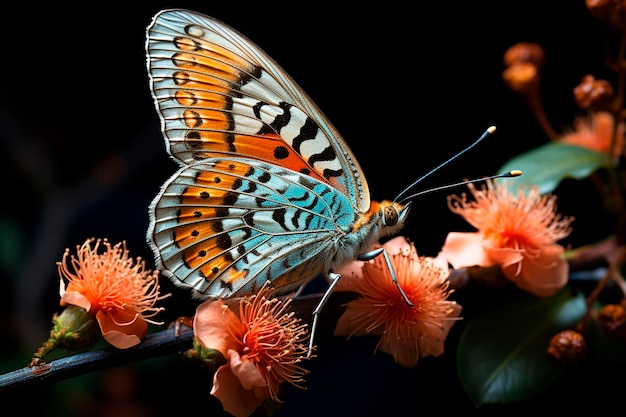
(209, 359)
(567, 348)
(524, 52)
(599, 8)
(612, 12)
(612, 319)
(74, 329)
(522, 77)
(592, 94)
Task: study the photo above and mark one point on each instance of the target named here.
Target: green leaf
(547, 165)
(501, 356)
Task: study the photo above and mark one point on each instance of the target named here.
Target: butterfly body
(267, 189)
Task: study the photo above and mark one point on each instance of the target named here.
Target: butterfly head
(393, 216)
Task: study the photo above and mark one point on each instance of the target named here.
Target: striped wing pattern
(245, 221)
(220, 95)
(266, 185)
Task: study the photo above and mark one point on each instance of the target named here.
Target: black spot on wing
(278, 216)
(230, 198)
(265, 177)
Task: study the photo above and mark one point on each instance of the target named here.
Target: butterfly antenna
(484, 136)
(510, 174)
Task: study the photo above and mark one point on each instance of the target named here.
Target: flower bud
(522, 77)
(209, 359)
(592, 94)
(531, 53)
(73, 329)
(567, 348)
(612, 12)
(612, 319)
(599, 8)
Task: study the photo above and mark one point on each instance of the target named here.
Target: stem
(39, 356)
(156, 344)
(536, 106)
(614, 258)
(591, 299)
(614, 177)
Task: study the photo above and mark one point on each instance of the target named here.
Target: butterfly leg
(299, 291)
(371, 255)
(334, 279)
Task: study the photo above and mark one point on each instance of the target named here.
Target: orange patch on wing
(208, 74)
(272, 148)
(233, 275)
(210, 58)
(213, 263)
(210, 267)
(268, 148)
(196, 255)
(205, 200)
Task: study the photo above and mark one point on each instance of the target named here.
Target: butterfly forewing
(219, 95)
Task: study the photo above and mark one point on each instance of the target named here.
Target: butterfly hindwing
(226, 225)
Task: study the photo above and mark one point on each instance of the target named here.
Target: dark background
(82, 155)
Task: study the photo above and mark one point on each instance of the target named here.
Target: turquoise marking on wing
(280, 225)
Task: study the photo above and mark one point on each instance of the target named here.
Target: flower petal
(543, 276)
(406, 352)
(77, 299)
(217, 327)
(441, 261)
(350, 273)
(234, 398)
(465, 249)
(246, 371)
(356, 320)
(503, 256)
(120, 328)
(398, 244)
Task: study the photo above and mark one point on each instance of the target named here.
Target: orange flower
(406, 332)
(120, 293)
(516, 232)
(595, 132)
(263, 344)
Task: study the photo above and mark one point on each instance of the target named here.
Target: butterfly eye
(390, 216)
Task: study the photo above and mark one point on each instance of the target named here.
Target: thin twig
(169, 341)
(153, 345)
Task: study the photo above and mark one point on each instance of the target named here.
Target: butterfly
(267, 188)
